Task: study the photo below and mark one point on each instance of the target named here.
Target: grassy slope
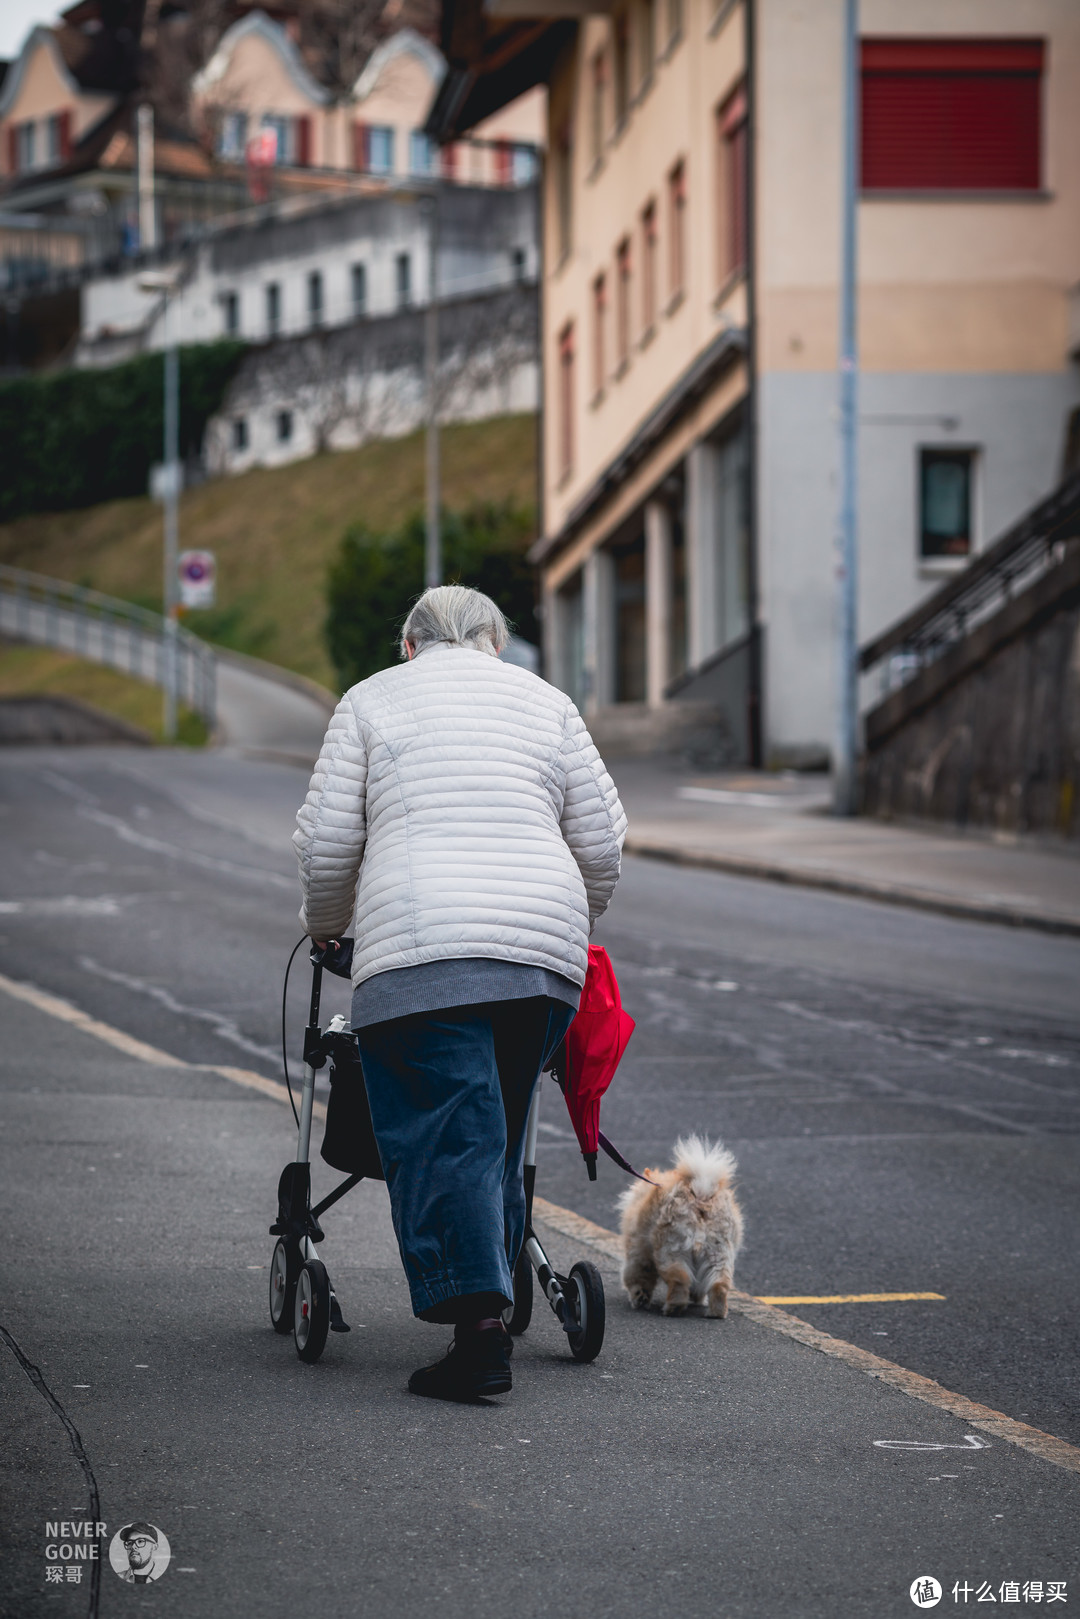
(37, 669)
(274, 531)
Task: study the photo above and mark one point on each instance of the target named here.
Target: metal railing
(103, 629)
(1031, 548)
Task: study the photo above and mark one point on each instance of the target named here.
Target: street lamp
(166, 283)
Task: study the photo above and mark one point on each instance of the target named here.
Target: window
(232, 141)
(621, 45)
(284, 130)
(950, 114)
(648, 267)
(564, 193)
(359, 289)
(522, 164)
(403, 280)
(24, 147)
(315, 298)
(647, 39)
(566, 401)
(677, 230)
(518, 263)
(630, 621)
(421, 153)
(598, 111)
(230, 307)
(380, 149)
(731, 165)
(240, 433)
(622, 304)
(945, 478)
(284, 426)
(57, 137)
(599, 291)
(273, 309)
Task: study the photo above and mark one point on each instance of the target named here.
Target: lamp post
(847, 674)
(167, 285)
(433, 561)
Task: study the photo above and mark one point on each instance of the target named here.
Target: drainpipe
(754, 696)
(845, 784)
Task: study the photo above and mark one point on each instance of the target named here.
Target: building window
(677, 230)
(518, 263)
(649, 245)
(403, 280)
(621, 74)
(566, 401)
(945, 478)
(23, 140)
(58, 137)
(599, 291)
(622, 304)
(273, 308)
(647, 39)
(230, 305)
(359, 289)
(380, 149)
(732, 189)
(284, 132)
(284, 426)
(522, 164)
(630, 621)
(950, 114)
(315, 298)
(598, 111)
(564, 193)
(239, 434)
(421, 153)
(232, 140)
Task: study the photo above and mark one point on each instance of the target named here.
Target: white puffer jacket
(467, 796)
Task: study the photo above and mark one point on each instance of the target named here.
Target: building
(690, 323)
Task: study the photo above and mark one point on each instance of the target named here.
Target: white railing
(73, 618)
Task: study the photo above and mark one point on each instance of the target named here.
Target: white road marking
(192, 857)
(65, 906)
(222, 1026)
(971, 1442)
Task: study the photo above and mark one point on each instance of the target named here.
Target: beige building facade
(690, 321)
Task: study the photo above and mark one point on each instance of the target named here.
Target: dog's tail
(705, 1166)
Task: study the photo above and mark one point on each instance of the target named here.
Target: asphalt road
(900, 1091)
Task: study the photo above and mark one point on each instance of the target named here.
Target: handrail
(106, 629)
(1023, 553)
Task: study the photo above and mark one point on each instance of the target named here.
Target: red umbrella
(594, 1046)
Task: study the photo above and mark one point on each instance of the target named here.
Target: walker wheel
(284, 1269)
(311, 1312)
(585, 1295)
(516, 1316)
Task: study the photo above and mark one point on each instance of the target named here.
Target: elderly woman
(461, 821)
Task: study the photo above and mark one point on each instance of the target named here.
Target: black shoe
(472, 1367)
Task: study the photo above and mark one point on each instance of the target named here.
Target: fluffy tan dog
(683, 1231)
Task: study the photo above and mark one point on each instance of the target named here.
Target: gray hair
(455, 615)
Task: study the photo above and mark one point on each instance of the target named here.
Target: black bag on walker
(349, 1139)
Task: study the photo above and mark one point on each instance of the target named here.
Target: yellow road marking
(1051, 1449)
(846, 1298)
(1056, 1451)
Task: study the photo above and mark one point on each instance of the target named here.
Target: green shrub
(74, 438)
(375, 579)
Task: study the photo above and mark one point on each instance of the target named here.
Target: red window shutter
(65, 134)
(303, 142)
(359, 146)
(503, 165)
(946, 115)
(12, 149)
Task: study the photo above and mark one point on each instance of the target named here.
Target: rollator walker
(302, 1297)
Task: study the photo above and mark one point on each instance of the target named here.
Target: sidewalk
(755, 824)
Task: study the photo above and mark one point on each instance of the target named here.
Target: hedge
(375, 578)
(73, 438)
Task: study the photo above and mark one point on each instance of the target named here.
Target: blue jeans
(449, 1093)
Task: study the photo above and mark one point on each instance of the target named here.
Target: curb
(918, 899)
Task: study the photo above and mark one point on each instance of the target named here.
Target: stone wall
(989, 734)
